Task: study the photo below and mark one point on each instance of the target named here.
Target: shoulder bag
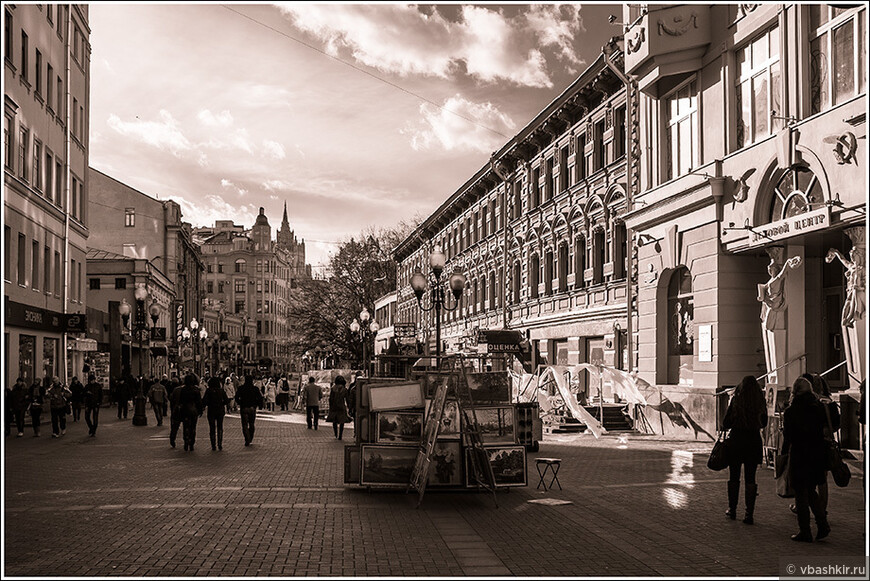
(719, 457)
(834, 457)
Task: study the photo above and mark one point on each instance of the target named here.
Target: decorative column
(854, 321)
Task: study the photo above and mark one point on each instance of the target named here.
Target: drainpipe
(67, 275)
(499, 171)
(606, 51)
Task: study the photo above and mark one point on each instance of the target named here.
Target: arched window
(241, 266)
(599, 255)
(517, 280)
(796, 192)
(579, 261)
(548, 273)
(681, 327)
(563, 267)
(534, 275)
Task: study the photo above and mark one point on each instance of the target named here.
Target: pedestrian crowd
(810, 422)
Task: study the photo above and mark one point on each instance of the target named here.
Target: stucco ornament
(854, 305)
(634, 43)
(772, 293)
(680, 27)
(844, 147)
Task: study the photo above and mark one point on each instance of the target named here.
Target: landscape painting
(496, 424)
(400, 427)
(387, 465)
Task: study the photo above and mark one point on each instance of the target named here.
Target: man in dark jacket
(93, 399)
(190, 406)
(122, 396)
(249, 398)
(18, 404)
(175, 417)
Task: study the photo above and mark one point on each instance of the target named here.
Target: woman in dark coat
(746, 417)
(190, 404)
(338, 407)
(35, 401)
(215, 401)
(803, 430)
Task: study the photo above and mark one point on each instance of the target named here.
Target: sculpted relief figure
(772, 293)
(853, 307)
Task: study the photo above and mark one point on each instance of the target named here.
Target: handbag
(783, 478)
(834, 457)
(719, 457)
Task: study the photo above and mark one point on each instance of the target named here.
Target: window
(239, 306)
(35, 251)
(48, 13)
(58, 182)
(535, 188)
(482, 298)
(838, 54)
(94, 284)
(129, 217)
(74, 202)
(563, 169)
(759, 90)
(598, 147)
(681, 111)
(220, 286)
(23, 141)
(8, 127)
(259, 332)
(518, 198)
(579, 262)
(60, 100)
(38, 62)
(22, 260)
(46, 266)
(220, 268)
(56, 273)
(619, 132)
(209, 287)
(7, 253)
(563, 267)
(72, 275)
(208, 268)
(534, 275)
(239, 285)
(549, 271)
(8, 48)
(493, 291)
(60, 20)
(548, 180)
(580, 158)
(37, 164)
(120, 283)
(81, 121)
(259, 286)
(259, 265)
(241, 266)
(619, 251)
(599, 256)
(24, 49)
(75, 117)
(49, 90)
(680, 329)
(259, 306)
(49, 178)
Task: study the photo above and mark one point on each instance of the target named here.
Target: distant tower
(261, 233)
(286, 238)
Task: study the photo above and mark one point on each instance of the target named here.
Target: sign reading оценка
(791, 226)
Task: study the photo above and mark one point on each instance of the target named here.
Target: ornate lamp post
(437, 297)
(124, 310)
(366, 333)
(154, 311)
(139, 417)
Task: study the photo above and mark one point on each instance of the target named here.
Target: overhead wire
(364, 71)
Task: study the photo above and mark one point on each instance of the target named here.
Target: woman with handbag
(746, 417)
(35, 401)
(803, 430)
(338, 406)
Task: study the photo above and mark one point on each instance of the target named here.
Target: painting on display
(446, 464)
(387, 465)
(450, 425)
(508, 465)
(489, 387)
(496, 424)
(395, 397)
(400, 427)
(351, 465)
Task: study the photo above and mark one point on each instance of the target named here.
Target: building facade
(251, 276)
(45, 191)
(753, 197)
(138, 226)
(539, 232)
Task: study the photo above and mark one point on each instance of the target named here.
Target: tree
(360, 271)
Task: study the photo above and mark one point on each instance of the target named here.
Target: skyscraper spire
(284, 221)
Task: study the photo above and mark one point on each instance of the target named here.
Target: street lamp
(438, 298)
(139, 417)
(365, 333)
(124, 311)
(154, 311)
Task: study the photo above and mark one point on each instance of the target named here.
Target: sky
(355, 115)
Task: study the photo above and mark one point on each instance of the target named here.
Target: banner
(621, 382)
(557, 373)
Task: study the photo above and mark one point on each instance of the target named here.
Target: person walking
(215, 402)
(338, 406)
(122, 396)
(271, 394)
(190, 403)
(77, 398)
(249, 398)
(18, 404)
(803, 433)
(58, 399)
(93, 399)
(312, 403)
(822, 391)
(159, 398)
(36, 400)
(175, 415)
(284, 393)
(745, 418)
(230, 390)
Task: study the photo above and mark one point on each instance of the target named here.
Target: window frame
(756, 70)
(671, 168)
(129, 217)
(857, 16)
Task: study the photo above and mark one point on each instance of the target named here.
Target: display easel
(481, 469)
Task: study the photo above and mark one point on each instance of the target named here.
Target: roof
(97, 254)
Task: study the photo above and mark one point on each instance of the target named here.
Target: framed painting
(497, 424)
(508, 466)
(446, 464)
(395, 397)
(351, 464)
(489, 387)
(399, 427)
(450, 425)
(388, 465)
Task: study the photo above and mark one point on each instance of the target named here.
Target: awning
(159, 351)
(74, 344)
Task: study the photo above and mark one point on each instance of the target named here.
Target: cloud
(484, 42)
(275, 185)
(226, 183)
(210, 208)
(442, 127)
(273, 149)
(209, 119)
(164, 134)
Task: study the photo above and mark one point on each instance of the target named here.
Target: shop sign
(158, 333)
(404, 329)
(21, 315)
(791, 226)
(500, 341)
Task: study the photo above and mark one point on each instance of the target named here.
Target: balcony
(666, 41)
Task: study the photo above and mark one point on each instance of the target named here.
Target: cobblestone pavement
(125, 504)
